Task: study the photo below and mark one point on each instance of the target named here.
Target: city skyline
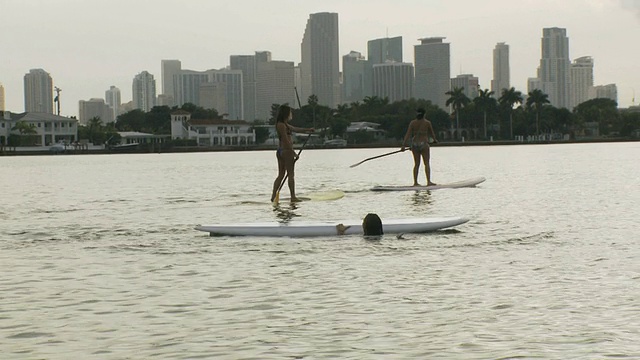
(602, 30)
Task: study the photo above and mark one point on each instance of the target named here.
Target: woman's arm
(301, 130)
(433, 133)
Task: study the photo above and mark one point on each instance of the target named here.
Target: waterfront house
(211, 132)
(49, 128)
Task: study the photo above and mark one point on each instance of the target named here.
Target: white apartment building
(113, 98)
(468, 82)
(581, 80)
(393, 80)
(38, 92)
(609, 91)
(95, 108)
(144, 91)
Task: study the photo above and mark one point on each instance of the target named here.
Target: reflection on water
(420, 198)
(285, 213)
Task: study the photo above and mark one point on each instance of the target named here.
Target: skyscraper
(554, 66)
(144, 91)
(357, 77)
(38, 92)
(382, 50)
(393, 80)
(248, 65)
(274, 85)
(170, 68)
(433, 70)
(320, 65)
(2, 108)
(468, 82)
(232, 80)
(113, 99)
(581, 80)
(501, 70)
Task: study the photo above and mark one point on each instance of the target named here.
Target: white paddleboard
(460, 184)
(328, 228)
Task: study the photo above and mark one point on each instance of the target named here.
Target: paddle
(276, 199)
(375, 157)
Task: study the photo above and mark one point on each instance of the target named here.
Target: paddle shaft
(376, 157)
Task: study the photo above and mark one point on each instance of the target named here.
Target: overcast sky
(89, 45)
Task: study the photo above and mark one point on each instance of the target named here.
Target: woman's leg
(278, 181)
(426, 157)
(289, 157)
(416, 166)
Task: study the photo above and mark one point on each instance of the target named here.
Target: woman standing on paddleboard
(419, 131)
(285, 154)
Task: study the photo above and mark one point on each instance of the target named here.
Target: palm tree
(458, 100)
(536, 100)
(509, 98)
(485, 101)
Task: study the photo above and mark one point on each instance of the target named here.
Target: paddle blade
(276, 199)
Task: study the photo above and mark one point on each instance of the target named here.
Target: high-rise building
(275, 82)
(232, 80)
(112, 98)
(382, 50)
(604, 91)
(554, 67)
(213, 95)
(357, 77)
(468, 82)
(187, 86)
(170, 68)
(320, 65)
(247, 64)
(393, 80)
(433, 70)
(144, 91)
(38, 92)
(2, 106)
(95, 108)
(532, 84)
(581, 80)
(501, 78)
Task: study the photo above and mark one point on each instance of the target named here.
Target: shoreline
(192, 149)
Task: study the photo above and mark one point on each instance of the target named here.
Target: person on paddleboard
(285, 154)
(418, 132)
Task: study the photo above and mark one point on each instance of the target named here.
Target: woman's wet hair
(420, 113)
(283, 113)
(372, 225)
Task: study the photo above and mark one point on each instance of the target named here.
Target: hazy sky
(89, 45)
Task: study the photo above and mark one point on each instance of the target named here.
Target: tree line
(483, 117)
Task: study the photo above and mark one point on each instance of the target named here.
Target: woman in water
(419, 131)
(285, 154)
